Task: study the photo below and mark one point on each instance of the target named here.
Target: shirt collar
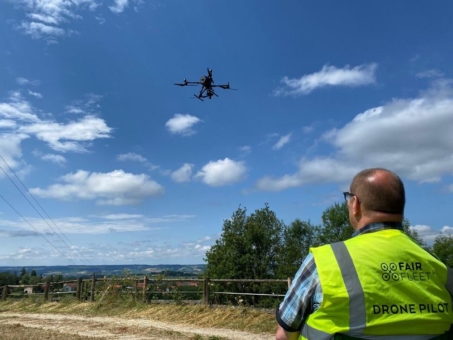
(370, 228)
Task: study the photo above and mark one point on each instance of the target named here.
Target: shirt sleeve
(297, 302)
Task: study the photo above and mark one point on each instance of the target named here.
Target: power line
(35, 207)
(36, 230)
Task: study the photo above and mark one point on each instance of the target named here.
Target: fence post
(46, 291)
(93, 284)
(145, 283)
(5, 292)
(79, 288)
(290, 279)
(206, 291)
(135, 289)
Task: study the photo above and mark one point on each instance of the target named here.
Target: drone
(207, 86)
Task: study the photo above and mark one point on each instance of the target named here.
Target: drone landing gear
(198, 97)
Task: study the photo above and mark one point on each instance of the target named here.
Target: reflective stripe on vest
(357, 309)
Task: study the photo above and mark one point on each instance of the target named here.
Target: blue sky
(132, 169)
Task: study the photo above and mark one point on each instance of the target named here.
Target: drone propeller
(226, 87)
(210, 75)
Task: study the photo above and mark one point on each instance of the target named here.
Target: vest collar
(370, 228)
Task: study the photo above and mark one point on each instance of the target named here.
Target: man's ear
(356, 207)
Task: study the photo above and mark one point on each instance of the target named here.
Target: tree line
(261, 246)
(26, 278)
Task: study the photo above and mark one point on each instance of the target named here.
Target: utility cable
(37, 210)
(36, 230)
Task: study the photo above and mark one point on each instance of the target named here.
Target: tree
(7, 278)
(22, 272)
(248, 247)
(443, 249)
(298, 237)
(33, 273)
(335, 225)
(412, 233)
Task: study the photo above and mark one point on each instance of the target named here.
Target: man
(377, 285)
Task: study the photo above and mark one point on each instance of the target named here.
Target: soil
(59, 327)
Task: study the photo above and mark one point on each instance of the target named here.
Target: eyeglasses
(348, 196)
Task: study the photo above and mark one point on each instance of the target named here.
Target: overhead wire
(77, 256)
(40, 234)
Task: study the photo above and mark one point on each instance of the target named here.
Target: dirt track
(118, 328)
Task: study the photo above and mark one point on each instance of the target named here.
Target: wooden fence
(86, 288)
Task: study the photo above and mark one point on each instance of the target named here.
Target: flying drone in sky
(207, 86)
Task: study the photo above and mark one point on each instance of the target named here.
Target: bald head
(379, 190)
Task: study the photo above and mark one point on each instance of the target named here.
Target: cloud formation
(328, 76)
(112, 188)
(119, 6)
(222, 172)
(19, 121)
(412, 137)
(35, 94)
(134, 157)
(131, 156)
(282, 141)
(430, 74)
(183, 174)
(57, 159)
(182, 124)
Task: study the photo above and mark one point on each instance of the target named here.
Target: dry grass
(234, 318)
(19, 332)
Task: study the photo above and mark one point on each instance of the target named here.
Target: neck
(376, 217)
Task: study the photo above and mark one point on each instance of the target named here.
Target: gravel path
(119, 328)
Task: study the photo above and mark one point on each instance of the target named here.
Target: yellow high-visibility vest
(381, 283)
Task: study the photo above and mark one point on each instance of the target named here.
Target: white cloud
(57, 159)
(38, 30)
(183, 174)
(282, 141)
(412, 137)
(18, 109)
(430, 74)
(10, 149)
(35, 94)
(91, 225)
(25, 81)
(88, 105)
(245, 149)
(329, 76)
(113, 188)
(222, 172)
(7, 123)
(100, 19)
(119, 6)
(182, 124)
(122, 216)
(446, 230)
(131, 156)
(67, 137)
(47, 15)
(426, 232)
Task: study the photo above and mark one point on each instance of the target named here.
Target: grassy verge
(235, 318)
(18, 332)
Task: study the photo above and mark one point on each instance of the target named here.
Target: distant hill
(110, 270)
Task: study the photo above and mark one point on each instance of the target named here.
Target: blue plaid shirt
(304, 296)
